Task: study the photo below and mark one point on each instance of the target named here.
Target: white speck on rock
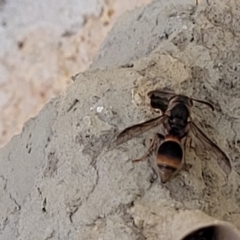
(99, 109)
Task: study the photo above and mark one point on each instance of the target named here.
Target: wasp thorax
(179, 114)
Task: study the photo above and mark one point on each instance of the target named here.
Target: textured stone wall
(64, 178)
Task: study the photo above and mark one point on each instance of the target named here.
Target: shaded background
(44, 43)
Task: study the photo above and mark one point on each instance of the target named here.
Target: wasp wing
(214, 151)
(159, 99)
(138, 129)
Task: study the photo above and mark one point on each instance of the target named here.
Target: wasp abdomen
(169, 159)
(171, 149)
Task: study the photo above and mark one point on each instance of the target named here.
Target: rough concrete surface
(64, 178)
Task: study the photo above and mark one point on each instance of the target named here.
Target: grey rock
(64, 178)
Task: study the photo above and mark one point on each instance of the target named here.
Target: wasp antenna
(204, 102)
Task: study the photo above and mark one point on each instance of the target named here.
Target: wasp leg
(191, 145)
(186, 166)
(151, 148)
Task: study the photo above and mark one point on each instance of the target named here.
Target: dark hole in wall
(207, 233)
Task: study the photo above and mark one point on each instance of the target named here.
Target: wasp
(177, 126)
